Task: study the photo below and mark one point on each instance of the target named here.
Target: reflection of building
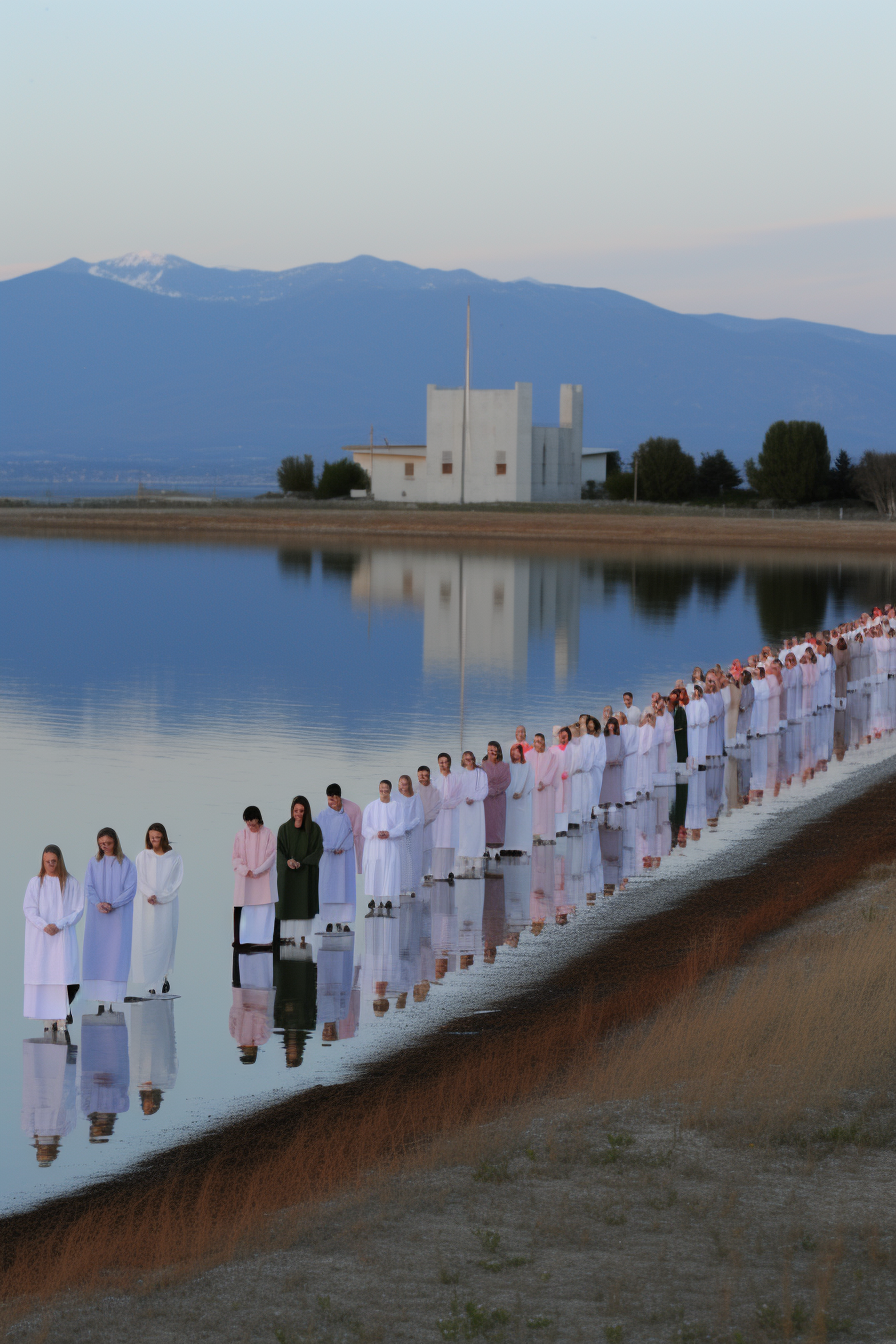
(507, 458)
(488, 603)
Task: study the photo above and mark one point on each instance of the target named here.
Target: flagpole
(466, 425)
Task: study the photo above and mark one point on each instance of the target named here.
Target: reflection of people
(337, 894)
(335, 975)
(383, 827)
(153, 1052)
(54, 902)
(255, 882)
(48, 1094)
(295, 1004)
(159, 874)
(299, 849)
(251, 1013)
(110, 887)
(105, 1071)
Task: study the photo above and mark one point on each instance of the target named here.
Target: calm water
(180, 683)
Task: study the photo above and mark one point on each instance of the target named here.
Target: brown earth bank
(722, 1172)
(223, 1193)
(580, 528)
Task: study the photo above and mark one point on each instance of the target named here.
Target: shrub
(716, 474)
(621, 485)
(794, 464)
(875, 479)
(339, 478)
(295, 475)
(665, 472)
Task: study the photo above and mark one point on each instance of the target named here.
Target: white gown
(51, 961)
(382, 858)
(155, 926)
(49, 1099)
(446, 822)
(518, 830)
(471, 816)
(152, 1046)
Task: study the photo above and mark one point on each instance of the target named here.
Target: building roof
(385, 449)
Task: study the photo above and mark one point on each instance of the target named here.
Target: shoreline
(285, 1152)
(582, 528)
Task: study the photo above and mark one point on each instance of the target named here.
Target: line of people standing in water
(304, 879)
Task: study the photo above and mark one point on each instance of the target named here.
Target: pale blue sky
(700, 155)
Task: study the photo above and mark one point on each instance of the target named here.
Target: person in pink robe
(498, 772)
(353, 812)
(546, 769)
(255, 881)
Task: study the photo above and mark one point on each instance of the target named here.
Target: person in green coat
(300, 845)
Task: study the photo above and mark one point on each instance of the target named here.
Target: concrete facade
(594, 465)
(508, 459)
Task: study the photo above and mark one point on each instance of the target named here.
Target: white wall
(500, 423)
(594, 467)
(388, 481)
(557, 451)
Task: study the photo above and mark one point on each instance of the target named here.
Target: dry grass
(206, 1201)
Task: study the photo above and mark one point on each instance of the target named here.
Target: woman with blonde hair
(54, 902)
(110, 887)
(160, 872)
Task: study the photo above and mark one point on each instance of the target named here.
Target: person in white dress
(255, 882)
(412, 840)
(431, 799)
(471, 823)
(110, 886)
(383, 827)
(54, 902)
(160, 872)
(337, 889)
(518, 830)
(445, 826)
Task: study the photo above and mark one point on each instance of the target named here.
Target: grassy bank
(581, 528)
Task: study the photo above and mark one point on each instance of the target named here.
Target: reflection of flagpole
(463, 648)
(369, 585)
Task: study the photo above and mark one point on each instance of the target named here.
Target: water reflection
(105, 1072)
(153, 1052)
(295, 1001)
(251, 1020)
(49, 1084)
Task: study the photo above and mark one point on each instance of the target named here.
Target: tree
(665, 472)
(841, 484)
(295, 475)
(339, 478)
(794, 464)
(621, 485)
(716, 474)
(875, 479)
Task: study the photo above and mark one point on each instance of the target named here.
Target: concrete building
(507, 459)
(594, 465)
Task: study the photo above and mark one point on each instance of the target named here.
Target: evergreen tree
(339, 478)
(794, 465)
(715, 474)
(295, 475)
(842, 484)
(665, 472)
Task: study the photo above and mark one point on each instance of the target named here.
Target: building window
(447, 465)
(498, 597)
(501, 464)
(445, 593)
(407, 583)
(408, 469)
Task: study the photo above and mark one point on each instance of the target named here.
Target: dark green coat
(680, 725)
(297, 887)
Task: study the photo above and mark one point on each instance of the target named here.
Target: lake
(178, 682)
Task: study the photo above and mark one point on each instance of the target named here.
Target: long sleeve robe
(411, 842)
(545, 769)
(155, 926)
(498, 775)
(431, 798)
(562, 788)
(471, 815)
(354, 814)
(382, 858)
(105, 1070)
(731, 713)
(49, 1102)
(518, 828)
(580, 797)
(630, 735)
(446, 820)
(152, 1046)
(51, 960)
(336, 880)
(297, 888)
(745, 711)
(107, 938)
(612, 793)
(255, 852)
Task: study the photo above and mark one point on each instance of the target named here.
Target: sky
(703, 156)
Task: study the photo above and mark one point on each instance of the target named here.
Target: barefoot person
(54, 902)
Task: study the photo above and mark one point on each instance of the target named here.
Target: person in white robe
(562, 786)
(412, 840)
(646, 754)
(354, 815)
(49, 1097)
(109, 887)
(383, 827)
(160, 872)
(53, 905)
(545, 771)
(471, 817)
(153, 1052)
(630, 735)
(701, 723)
(445, 825)
(580, 774)
(105, 1071)
(431, 799)
(337, 888)
(599, 761)
(761, 692)
(518, 830)
(255, 882)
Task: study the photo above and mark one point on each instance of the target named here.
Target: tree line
(793, 467)
(295, 476)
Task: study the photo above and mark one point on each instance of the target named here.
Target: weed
(539, 1323)
(514, 1261)
(492, 1266)
(869, 913)
(473, 1320)
(449, 1275)
(614, 1217)
(665, 1201)
(531, 1154)
(620, 1140)
(323, 1303)
(837, 1325)
(771, 1320)
(545, 1275)
(489, 1241)
(613, 1334)
(497, 1172)
(691, 1334)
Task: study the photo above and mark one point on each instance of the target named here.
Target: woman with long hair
(518, 827)
(110, 887)
(255, 882)
(54, 902)
(300, 845)
(160, 872)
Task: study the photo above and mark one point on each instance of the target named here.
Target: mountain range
(152, 361)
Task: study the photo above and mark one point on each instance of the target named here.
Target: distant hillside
(156, 360)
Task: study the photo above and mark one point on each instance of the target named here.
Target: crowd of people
(760, 721)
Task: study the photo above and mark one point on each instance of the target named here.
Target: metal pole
(371, 461)
(466, 424)
(635, 499)
(463, 649)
